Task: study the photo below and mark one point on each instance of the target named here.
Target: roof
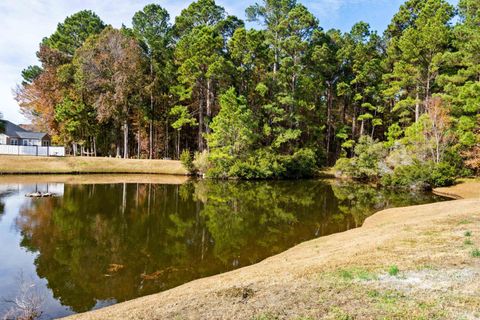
(31, 135)
(12, 130)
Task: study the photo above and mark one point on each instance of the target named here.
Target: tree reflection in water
(122, 241)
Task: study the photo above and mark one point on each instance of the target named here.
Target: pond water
(97, 244)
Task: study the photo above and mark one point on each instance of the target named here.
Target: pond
(98, 243)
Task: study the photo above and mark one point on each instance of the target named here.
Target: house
(17, 136)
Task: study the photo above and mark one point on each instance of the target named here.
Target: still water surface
(98, 244)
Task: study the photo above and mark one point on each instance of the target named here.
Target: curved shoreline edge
(344, 274)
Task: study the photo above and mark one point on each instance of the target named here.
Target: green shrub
(468, 234)
(187, 161)
(262, 164)
(302, 164)
(393, 270)
(443, 174)
(368, 155)
(421, 175)
(365, 165)
(415, 176)
(201, 162)
(475, 253)
(344, 167)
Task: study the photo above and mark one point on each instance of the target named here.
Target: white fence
(32, 151)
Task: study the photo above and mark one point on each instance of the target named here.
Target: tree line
(276, 101)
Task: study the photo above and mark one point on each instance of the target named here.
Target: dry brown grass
(344, 275)
(38, 165)
(466, 188)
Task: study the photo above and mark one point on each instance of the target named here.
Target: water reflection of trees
(361, 202)
(122, 241)
(2, 204)
(2, 209)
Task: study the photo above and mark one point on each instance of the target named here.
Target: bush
(187, 161)
(201, 162)
(262, 164)
(344, 167)
(443, 174)
(415, 176)
(421, 176)
(301, 164)
(366, 164)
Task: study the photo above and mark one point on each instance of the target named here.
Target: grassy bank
(69, 165)
(420, 262)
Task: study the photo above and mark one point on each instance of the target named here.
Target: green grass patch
(468, 242)
(475, 253)
(393, 270)
(373, 293)
(266, 316)
(464, 222)
(426, 267)
(390, 297)
(339, 314)
(354, 273)
(346, 275)
(467, 234)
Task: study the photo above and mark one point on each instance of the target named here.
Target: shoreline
(345, 274)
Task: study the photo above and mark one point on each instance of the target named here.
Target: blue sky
(25, 22)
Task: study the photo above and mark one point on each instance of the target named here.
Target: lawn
(38, 165)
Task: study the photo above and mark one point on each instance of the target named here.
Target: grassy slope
(350, 275)
(26, 164)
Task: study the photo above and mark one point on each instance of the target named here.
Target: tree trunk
(138, 144)
(354, 122)
(200, 124)
(125, 139)
(178, 144)
(167, 149)
(329, 118)
(417, 106)
(209, 104)
(150, 140)
(152, 115)
(427, 90)
(276, 53)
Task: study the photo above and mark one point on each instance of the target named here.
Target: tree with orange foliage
(472, 155)
(44, 88)
(110, 69)
(437, 128)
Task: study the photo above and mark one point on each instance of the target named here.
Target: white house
(17, 136)
(15, 140)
